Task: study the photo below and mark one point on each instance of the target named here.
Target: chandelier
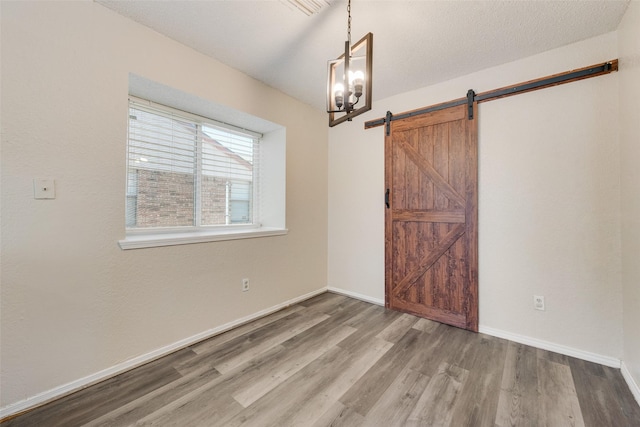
(349, 78)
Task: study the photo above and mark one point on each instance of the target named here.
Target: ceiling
(416, 43)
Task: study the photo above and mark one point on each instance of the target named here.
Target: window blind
(184, 170)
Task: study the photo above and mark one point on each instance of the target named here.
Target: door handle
(386, 198)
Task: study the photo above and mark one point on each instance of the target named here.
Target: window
(187, 172)
(193, 179)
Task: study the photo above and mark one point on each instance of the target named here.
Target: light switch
(44, 188)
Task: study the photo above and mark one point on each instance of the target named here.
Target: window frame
(176, 235)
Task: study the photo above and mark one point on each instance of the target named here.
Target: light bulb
(358, 82)
(338, 93)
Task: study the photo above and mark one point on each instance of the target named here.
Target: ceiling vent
(308, 7)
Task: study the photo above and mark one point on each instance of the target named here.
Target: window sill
(140, 241)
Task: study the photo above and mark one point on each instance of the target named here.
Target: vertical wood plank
(389, 161)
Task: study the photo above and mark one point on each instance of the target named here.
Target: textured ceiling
(416, 43)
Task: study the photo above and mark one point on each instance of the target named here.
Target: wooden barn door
(431, 243)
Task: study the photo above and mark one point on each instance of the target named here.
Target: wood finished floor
(336, 361)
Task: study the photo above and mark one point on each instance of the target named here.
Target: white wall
(73, 303)
(629, 45)
(548, 200)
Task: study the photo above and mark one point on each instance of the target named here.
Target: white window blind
(188, 171)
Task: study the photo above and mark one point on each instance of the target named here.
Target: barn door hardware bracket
(471, 96)
(387, 120)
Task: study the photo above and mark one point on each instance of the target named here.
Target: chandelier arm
(347, 90)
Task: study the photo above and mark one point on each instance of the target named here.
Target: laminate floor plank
(396, 330)
(80, 407)
(220, 390)
(155, 400)
(560, 404)
(325, 302)
(518, 403)
(597, 400)
(367, 331)
(227, 348)
(628, 405)
(587, 367)
(398, 401)
(291, 394)
(213, 342)
(366, 392)
(552, 357)
(243, 348)
(311, 391)
(293, 361)
(322, 399)
(209, 401)
(575, 364)
(346, 309)
(252, 348)
(441, 345)
(466, 349)
(435, 406)
(379, 316)
(336, 361)
(339, 415)
(194, 415)
(338, 319)
(478, 402)
(426, 325)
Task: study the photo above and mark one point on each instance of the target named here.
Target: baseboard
(73, 386)
(356, 295)
(550, 346)
(633, 385)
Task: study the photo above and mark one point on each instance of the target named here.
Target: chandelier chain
(349, 22)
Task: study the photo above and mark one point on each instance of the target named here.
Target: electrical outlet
(245, 285)
(538, 302)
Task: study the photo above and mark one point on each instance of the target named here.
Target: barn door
(431, 243)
